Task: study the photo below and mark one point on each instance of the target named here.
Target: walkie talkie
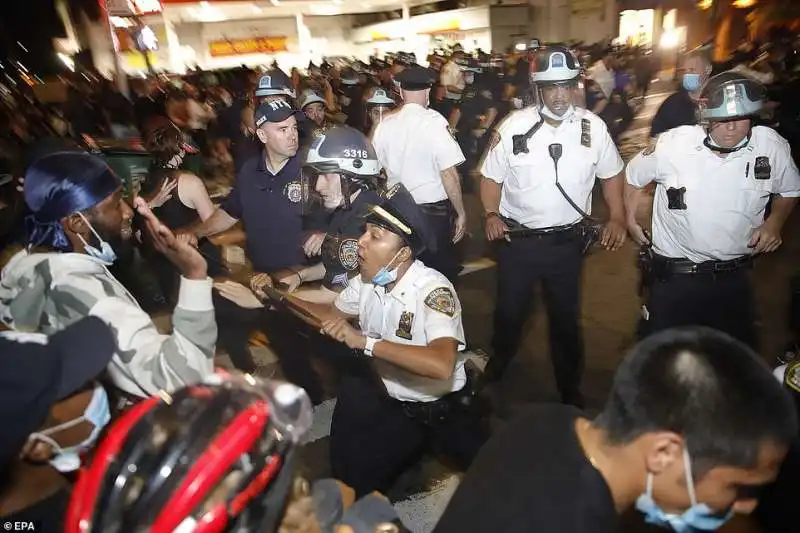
(555, 150)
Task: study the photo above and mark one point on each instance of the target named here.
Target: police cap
(400, 214)
(416, 78)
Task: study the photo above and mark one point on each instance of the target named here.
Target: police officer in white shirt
(713, 182)
(410, 325)
(416, 148)
(535, 151)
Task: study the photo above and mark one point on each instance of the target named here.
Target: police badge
(404, 327)
(293, 191)
(348, 254)
(442, 300)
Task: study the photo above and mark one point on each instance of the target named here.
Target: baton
(283, 300)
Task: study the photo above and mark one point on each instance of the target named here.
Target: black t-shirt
(47, 516)
(340, 247)
(532, 476)
(473, 104)
(677, 110)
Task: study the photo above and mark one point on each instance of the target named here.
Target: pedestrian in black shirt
(694, 425)
(680, 108)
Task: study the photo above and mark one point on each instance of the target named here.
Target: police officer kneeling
(410, 324)
(713, 182)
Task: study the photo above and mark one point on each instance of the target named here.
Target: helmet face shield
(312, 200)
(559, 97)
(730, 96)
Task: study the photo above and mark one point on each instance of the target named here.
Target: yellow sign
(254, 45)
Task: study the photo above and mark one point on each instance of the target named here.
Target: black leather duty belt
(518, 231)
(669, 265)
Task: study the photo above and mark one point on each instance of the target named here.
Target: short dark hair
(706, 386)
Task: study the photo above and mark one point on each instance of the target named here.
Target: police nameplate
(586, 133)
(442, 300)
(348, 254)
(404, 327)
(762, 169)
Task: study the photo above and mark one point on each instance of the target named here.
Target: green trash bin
(129, 160)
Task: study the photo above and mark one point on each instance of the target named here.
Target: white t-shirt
(529, 194)
(454, 77)
(406, 315)
(725, 202)
(414, 146)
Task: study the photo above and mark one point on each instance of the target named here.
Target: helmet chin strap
(711, 145)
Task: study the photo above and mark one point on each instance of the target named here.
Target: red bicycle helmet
(211, 457)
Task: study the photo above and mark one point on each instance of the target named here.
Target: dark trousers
(721, 301)
(289, 337)
(373, 440)
(556, 261)
(439, 223)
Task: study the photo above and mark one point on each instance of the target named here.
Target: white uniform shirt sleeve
(495, 163)
(643, 168)
(377, 143)
(786, 174)
(609, 163)
(348, 300)
(447, 152)
(441, 326)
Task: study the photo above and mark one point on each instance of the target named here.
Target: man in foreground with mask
(410, 326)
(62, 276)
(680, 108)
(693, 427)
(51, 411)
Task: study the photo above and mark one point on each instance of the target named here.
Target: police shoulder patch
(442, 300)
(651, 147)
(792, 376)
(494, 141)
(348, 254)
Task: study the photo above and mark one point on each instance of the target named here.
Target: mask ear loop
(91, 228)
(687, 469)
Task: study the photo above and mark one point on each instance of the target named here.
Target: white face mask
(97, 413)
(105, 254)
(549, 114)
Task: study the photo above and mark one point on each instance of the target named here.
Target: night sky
(33, 23)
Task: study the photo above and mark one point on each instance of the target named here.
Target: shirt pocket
(754, 196)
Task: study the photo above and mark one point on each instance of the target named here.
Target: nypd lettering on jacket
(529, 192)
(707, 207)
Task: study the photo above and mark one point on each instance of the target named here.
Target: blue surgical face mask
(97, 413)
(699, 517)
(384, 275)
(105, 254)
(691, 81)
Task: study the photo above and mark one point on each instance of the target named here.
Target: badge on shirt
(293, 191)
(348, 254)
(442, 300)
(586, 133)
(404, 327)
(762, 169)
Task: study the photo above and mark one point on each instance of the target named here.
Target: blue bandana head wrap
(58, 185)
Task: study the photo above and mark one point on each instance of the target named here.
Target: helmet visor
(732, 100)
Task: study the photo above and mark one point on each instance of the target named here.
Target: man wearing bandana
(62, 276)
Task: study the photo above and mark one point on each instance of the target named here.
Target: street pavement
(610, 310)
